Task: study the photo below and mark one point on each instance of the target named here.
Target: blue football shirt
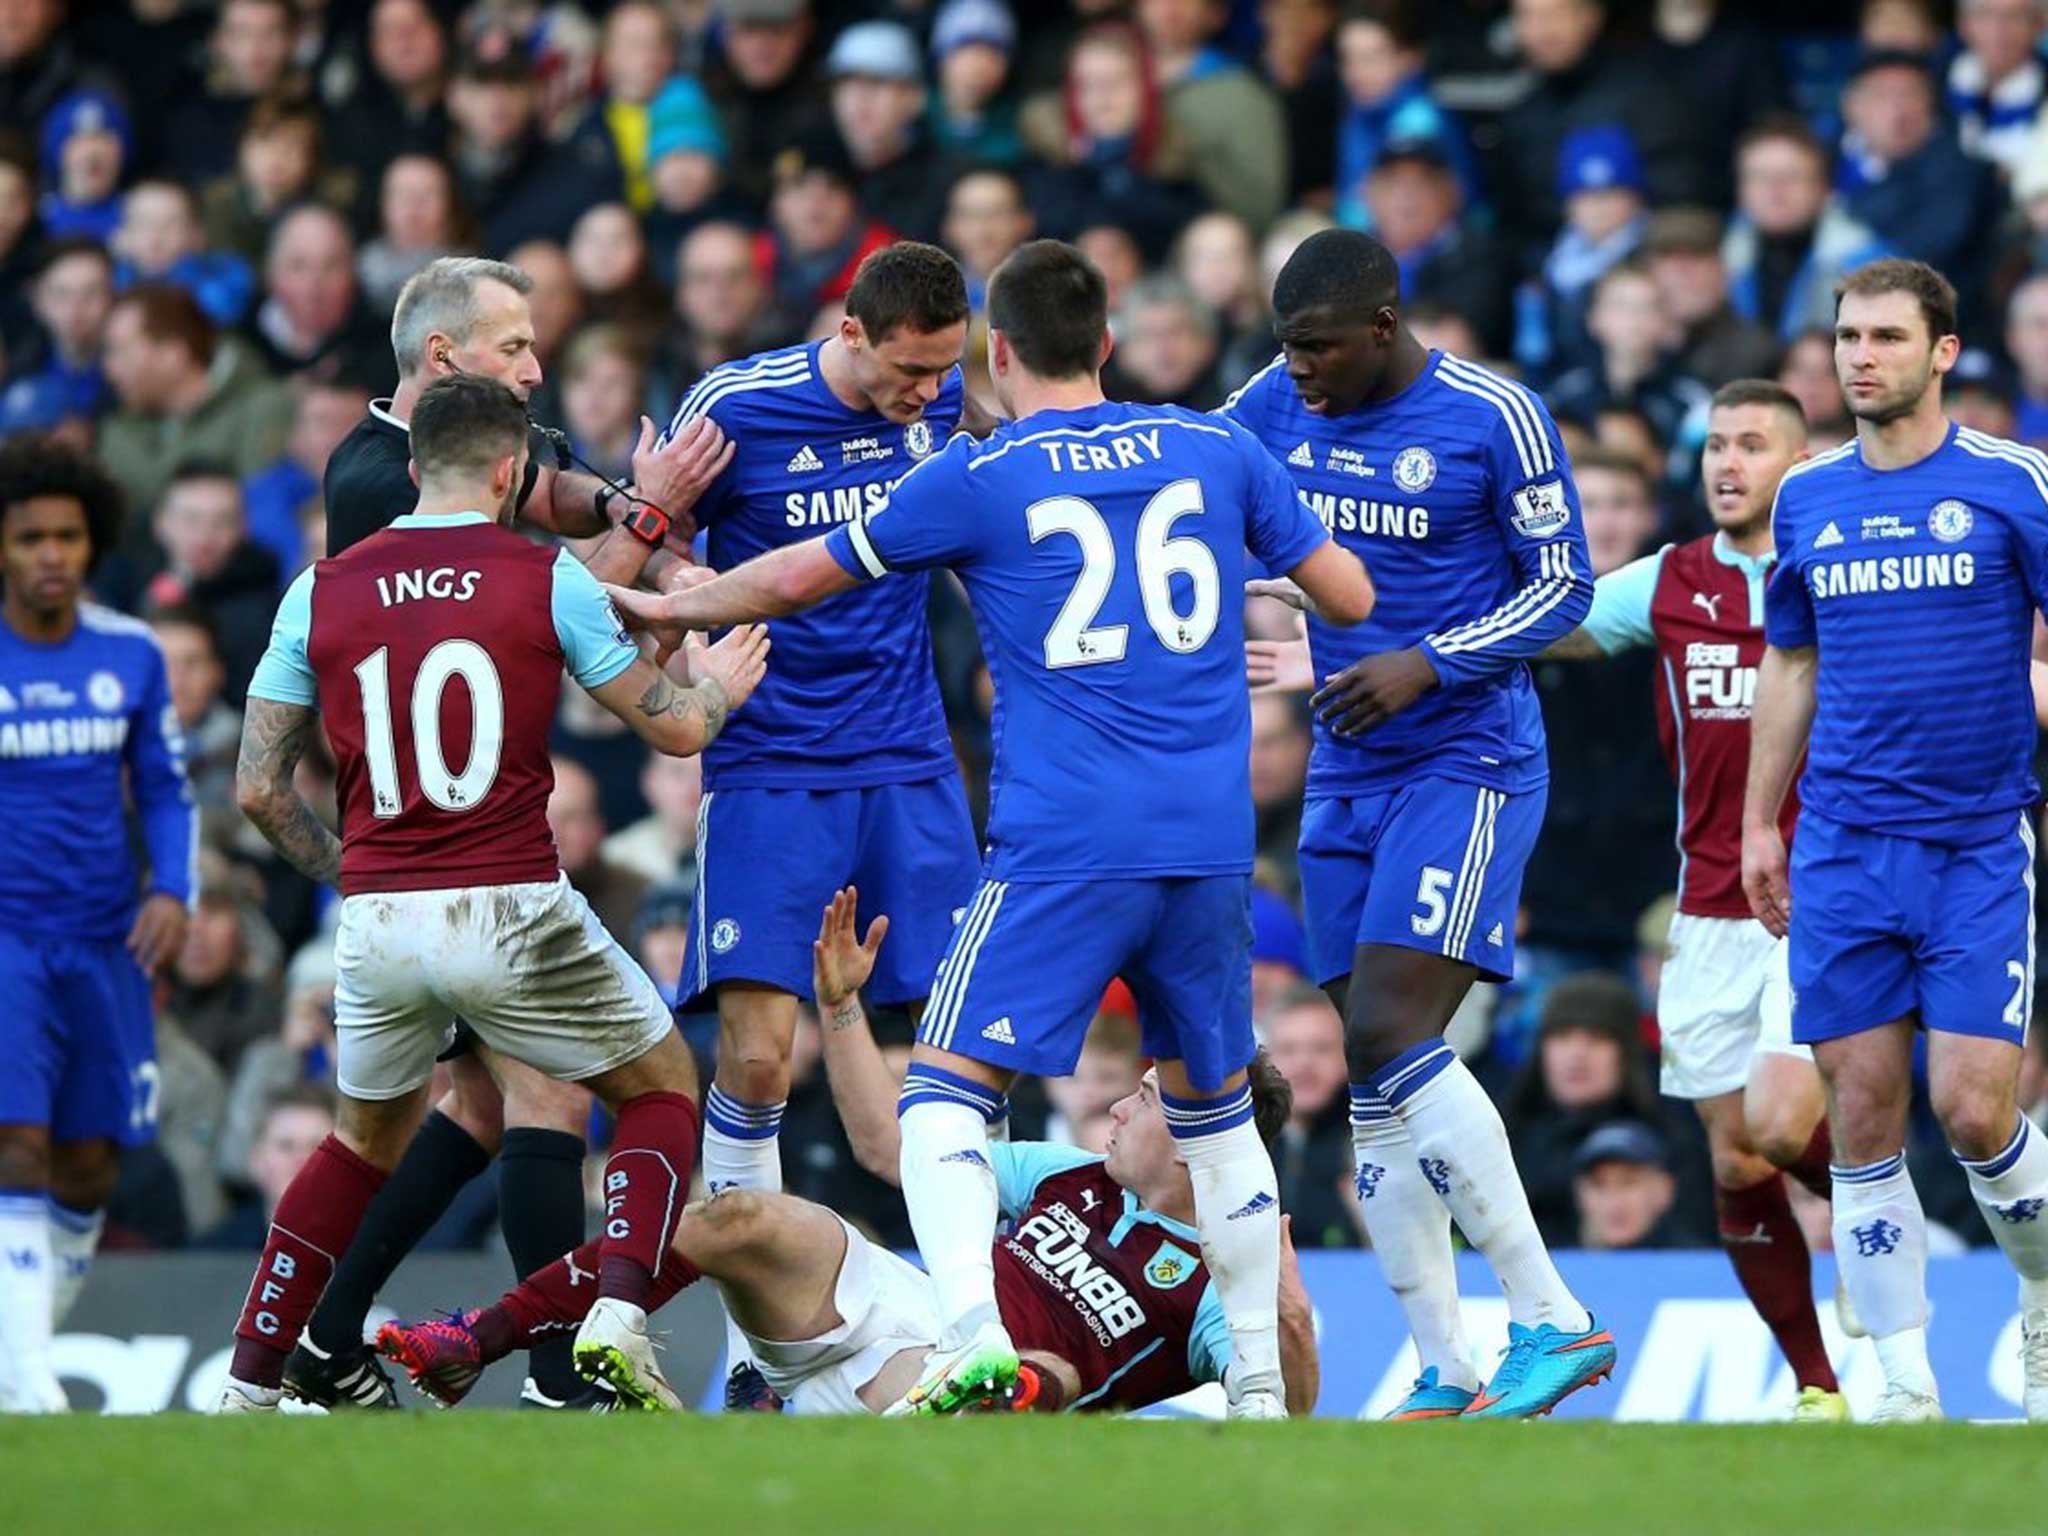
(851, 697)
(86, 725)
(1918, 586)
(1457, 496)
(1104, 554)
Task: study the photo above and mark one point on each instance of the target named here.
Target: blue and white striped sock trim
(740, 1120)
(1188, 1119)
(1410, 1070)
(1992, 1166)
(935, 1085)
(1368, 1108)
(24, 1202)
(80, 1222)
(1869, 1173)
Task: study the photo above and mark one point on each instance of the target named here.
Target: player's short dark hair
(1052, 305)
(1272, 1097)
(465, 422)
(1759, 392)
(907, 284)
(169, 313)
(1341, 270)
(33, 465)
(1935, 293)
(186, 615)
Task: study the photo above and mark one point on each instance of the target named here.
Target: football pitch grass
(510, 1473)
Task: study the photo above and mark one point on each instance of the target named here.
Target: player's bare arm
(1300, 1365)
(2037, 672)
(1782, 720)
(683, 718)
(274, 737)
(770, 586)
(1278, 666)
(1332, 583)
(863, 1086)
(1579, 645)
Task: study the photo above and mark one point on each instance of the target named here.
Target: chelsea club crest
(1950, 521)
(1414, 470)
(917, 439)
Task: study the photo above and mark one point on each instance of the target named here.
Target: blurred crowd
(207, 208)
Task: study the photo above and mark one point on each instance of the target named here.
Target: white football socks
(949, 1185)
(27, 1290)
(1410, 1231)
(74, 1238)
(1237, 1209)
(1881, 1250)
(2012, 1190)
(1463, 1151)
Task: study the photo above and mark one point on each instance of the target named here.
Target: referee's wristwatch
(643, 519)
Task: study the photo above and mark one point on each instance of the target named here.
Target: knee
(731, 1220)
(83, 1175)
(474, 1103)
(1741, 1168)
(24, 1158)
(545, 1104)
(1977, 1120)
(1780, 1141)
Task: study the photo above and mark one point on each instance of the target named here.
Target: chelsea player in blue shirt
(1427, 782)
(1103, 548)
(842, 771)
(1911, 561)
(85, 719)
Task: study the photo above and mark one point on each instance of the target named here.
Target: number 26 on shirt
(1075, 640)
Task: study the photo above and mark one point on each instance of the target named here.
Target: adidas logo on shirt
(1000, 1032)
(805, 462)
(1303, 457)
(1828, 537)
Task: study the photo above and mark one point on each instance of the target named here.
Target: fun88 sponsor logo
(1054, 1242)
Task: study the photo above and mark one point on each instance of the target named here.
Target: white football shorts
(1725, 995)
(528, 967)
(886, 1305)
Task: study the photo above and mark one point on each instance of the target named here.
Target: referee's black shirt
(368, 484)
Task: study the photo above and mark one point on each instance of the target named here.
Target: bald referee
(469, 315)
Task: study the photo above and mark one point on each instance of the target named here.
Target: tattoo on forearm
(274, 738)
(705, 703)
(845, 1013)
(573, 500)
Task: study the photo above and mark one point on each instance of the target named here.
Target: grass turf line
(508, 1473)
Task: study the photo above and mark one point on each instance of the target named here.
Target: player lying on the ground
(1100, 1283)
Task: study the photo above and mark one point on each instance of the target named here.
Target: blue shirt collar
(1135, 1213)
(1752, 565)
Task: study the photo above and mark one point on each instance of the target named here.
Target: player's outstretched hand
(1281, 590)
(1764, 878)
(1278, 666)
(674, 475)
(739, 661)
(649, 613)
(841, 961)
(158, 934)
(1373, 689)
(682, 577)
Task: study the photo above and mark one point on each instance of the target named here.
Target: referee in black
(469, 315)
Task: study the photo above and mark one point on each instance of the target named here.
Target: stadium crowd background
(206, 211)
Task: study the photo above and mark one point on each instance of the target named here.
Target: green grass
(512, 1474)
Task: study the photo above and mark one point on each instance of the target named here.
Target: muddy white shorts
(1724, 997)
(528, 967)
(885, 1304)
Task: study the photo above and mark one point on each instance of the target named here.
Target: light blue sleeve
(284, 675)
(1209, 1351)
(1021, 1166)
(595, 645)
(1620, 615)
